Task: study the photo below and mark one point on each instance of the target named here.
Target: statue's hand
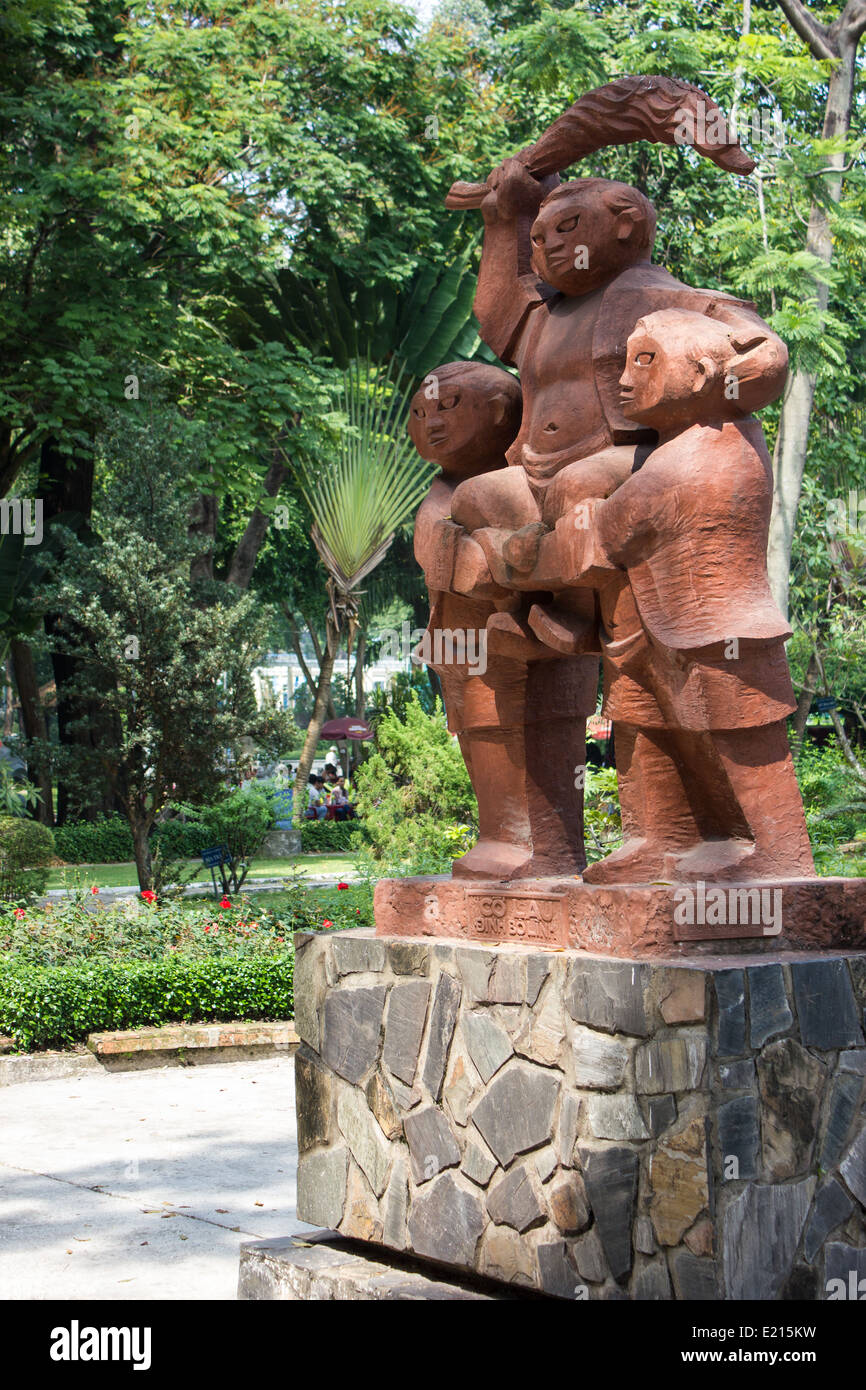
(472, 574)
(441, 553)
(513, 192)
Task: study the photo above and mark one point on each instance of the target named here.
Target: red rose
(224, 903)
(147, 893)
(342, 885)
(327, 922)
(94, 889)
(19, 912)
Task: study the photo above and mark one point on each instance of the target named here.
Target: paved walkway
(144, 1184)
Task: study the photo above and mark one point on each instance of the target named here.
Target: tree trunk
(9, 701)
(314, 728)
(360, 652)
(804, 704)
(792, 445)
(66, 485)
(203, 523)
(247, 552)
(35, 725)
(141, 845)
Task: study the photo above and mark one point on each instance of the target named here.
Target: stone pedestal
(632, 921)
(281, 843)
(587, 1126)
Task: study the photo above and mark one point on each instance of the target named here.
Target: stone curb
(176, 1045)
(326, 1268)
(176, 1036)
(44, 1066)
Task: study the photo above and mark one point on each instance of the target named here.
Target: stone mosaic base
(587, 1126)
(630, 920)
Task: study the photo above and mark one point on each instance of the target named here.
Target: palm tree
(358, 500)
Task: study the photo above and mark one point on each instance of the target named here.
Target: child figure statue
(520, 716)
(696, 679)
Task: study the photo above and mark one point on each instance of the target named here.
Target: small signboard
(825, 703)
(212, 858)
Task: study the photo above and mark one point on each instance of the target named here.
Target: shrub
(104, 841)
(26, 847)
(56, 1006)
(239, 823)
(78, 928)
(414, 793)
(331, 836)
(180, 839)
(109, 840)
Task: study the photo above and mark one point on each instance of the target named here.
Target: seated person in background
(340, 800)
(317, 806)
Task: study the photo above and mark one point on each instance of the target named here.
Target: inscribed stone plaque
(516, 915)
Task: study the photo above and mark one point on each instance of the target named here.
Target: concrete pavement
(142, 1185)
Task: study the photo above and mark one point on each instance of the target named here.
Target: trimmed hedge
(26, 846)
(55, 1006)
(331, 836)
(109, 841)
(105, 841)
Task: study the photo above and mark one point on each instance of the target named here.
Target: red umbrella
(347, 727)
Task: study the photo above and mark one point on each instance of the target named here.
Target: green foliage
(275, 733)
(162, 675)
(375, 482)
(108, 840)
(401, 690)
(239, 823)
(78, 927)
(834, 799)
(423, 321)
(562, 49)
(413, 790)
(602, 826)
(16, 797)
(77, 967)
(56, 1006)
(331, 836)
(26, 847)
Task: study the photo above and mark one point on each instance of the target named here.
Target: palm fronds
(372, 486)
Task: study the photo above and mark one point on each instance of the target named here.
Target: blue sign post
(214, 858)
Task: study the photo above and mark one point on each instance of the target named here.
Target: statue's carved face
(457, 424)
(665, 385)
(643, 383)
(578, 243)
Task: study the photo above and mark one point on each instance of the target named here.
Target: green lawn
(119, 875)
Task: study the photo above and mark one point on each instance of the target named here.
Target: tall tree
(357, 502)
(836, 43)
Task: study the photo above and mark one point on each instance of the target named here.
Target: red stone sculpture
(696, 679)
(632, 518)
(520, 715)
